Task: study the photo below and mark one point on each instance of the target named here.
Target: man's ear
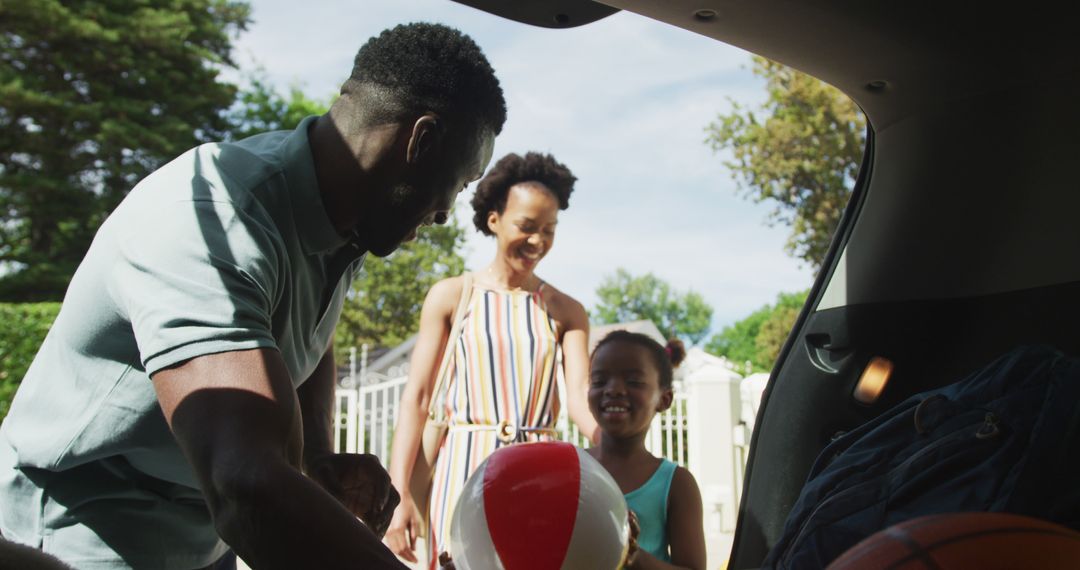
(426, 136)
(493, 219)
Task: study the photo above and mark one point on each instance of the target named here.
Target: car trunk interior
(960, 241)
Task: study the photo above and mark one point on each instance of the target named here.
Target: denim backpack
(1005, 439)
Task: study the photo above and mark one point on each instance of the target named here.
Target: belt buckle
(507, 432)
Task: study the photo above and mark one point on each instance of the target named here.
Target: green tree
(624, 297)
(383, 308)
(93, 96)
(759, 337)
(25, 327)
(800, 151)
(259, 108)
(775, 330)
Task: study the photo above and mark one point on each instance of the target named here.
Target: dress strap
(543, 304)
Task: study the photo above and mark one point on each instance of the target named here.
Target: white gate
(365, 419)
(707, 430)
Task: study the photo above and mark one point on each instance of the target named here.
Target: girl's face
(525, 229)
(624, 389)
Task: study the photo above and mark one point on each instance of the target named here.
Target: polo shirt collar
(313, 225)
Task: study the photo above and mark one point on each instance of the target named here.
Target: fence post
(363, 363)
(713, 411)
(352, 368)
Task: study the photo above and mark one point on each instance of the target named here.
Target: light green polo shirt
(225, 248)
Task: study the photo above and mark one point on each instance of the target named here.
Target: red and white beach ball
(540, 506)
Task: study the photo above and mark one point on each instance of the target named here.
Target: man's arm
(357, 480)
(316, 397)
(237, 419)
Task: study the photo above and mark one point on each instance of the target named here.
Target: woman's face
(525, 229)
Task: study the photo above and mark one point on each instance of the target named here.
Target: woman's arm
(426, 356)
(575, 348)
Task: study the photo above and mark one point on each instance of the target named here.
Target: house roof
(646, 327)
(393, 356)
(704, 366)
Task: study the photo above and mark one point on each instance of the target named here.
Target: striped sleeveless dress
(501, 389)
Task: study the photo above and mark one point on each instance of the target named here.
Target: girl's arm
(415, 397)
(575, 348)
(686, 533)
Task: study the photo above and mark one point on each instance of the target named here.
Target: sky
(623, 102)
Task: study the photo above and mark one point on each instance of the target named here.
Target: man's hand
(360, 483)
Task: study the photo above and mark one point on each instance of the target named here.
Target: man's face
(427, 192)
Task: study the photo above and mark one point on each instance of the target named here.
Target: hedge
(24, 327)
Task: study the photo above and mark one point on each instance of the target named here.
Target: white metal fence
(707, 430)
(365, 419)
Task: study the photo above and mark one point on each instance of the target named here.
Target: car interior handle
(826, 354)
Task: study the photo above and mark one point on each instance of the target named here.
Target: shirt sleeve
(202, 279)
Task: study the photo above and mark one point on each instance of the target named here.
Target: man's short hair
(419, 67)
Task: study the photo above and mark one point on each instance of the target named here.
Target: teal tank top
(650, 502)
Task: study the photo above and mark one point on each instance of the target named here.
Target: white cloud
(624, 102)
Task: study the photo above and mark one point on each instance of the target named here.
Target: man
(185, 391)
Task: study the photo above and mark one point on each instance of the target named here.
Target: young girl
(630, 381)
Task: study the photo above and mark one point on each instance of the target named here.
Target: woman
(515, 330)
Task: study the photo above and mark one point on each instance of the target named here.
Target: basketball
(540, 506)
(959, 541)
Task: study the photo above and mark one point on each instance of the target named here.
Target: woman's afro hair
(515, 169)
